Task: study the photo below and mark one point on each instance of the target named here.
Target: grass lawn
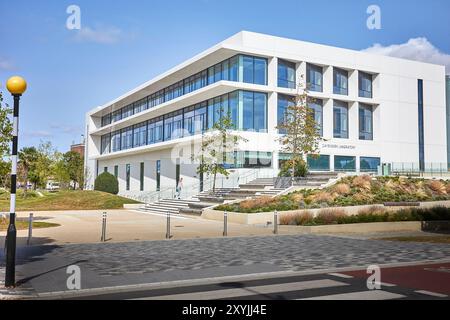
(429, 239)
(66, 200)
(23, 225)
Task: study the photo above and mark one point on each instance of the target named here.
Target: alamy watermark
(73, 22)
(74, 280)
(374, 280)
(374, 19)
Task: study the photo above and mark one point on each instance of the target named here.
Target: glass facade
(318, 162)
(365, 122)
(344, 163)
(369, 164)
(240, 68)
(314, 77)
(248, 111)
(340, 81)
(340, 120)
(286, 74)
(365, 84)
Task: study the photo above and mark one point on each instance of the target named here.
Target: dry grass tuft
(297, 219)
(363, 182)
(330, 216)
(438, 187)
(342, 189)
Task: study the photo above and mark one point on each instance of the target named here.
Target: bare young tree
(217, 146)
(301, 132)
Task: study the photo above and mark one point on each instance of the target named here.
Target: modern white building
(371, 109)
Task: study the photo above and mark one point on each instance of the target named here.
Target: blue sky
(125, 43)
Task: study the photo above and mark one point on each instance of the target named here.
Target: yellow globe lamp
(16, 85)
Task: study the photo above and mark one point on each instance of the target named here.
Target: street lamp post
(17, 86)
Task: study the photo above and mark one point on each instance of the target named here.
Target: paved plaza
(117, 264)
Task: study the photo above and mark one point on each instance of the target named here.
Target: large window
(126, 138)
(115, 141)
(254, 70)
(248, 111)
(420, 124)
(344, 163)
(141, 105)
(340, 81)
(365, 122)
(365, 84)
(141, 177)
(254, 111)
(314, 77)
(369, 164)
(251, 159)
(127, 176)
(340, 120)
(106, 144)
(140, 135)
(316, 106)
(318, 162)
(286, 74)
(283, 103)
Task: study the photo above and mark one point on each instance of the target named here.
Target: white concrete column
(272, 69)
(353, 84)
(328, 119)
(327, 79)
(353, 121)
(299, 72)
(272, 113)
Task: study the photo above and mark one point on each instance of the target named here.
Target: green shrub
(106, 182)
(301, 169)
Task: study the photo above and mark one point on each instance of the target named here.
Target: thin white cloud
(68, 129)
(419, 49)
(38, 134)
(5, 64)
(99, 34)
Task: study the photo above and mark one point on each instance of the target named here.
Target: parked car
(52, 186)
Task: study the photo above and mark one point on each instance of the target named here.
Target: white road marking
(250, 291)
(362, 295)
(433, 294)
(340, 275)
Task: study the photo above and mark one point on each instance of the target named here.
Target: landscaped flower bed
(350, 191)
(373, 214)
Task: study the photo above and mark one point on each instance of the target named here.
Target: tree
(45, 164)
(73, 166)
(301, 133)
(28, 157)
(5, 171)
(217, 144)
(5, 128)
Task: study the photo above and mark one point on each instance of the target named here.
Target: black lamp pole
(10, 277)
(17, 86)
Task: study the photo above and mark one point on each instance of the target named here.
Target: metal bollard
(275, 222)
(168, 226)
(225, 224)
(103, 239)
(30, 229)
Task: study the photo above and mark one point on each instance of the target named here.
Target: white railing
(236, 178)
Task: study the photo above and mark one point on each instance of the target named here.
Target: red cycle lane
(429, 277)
